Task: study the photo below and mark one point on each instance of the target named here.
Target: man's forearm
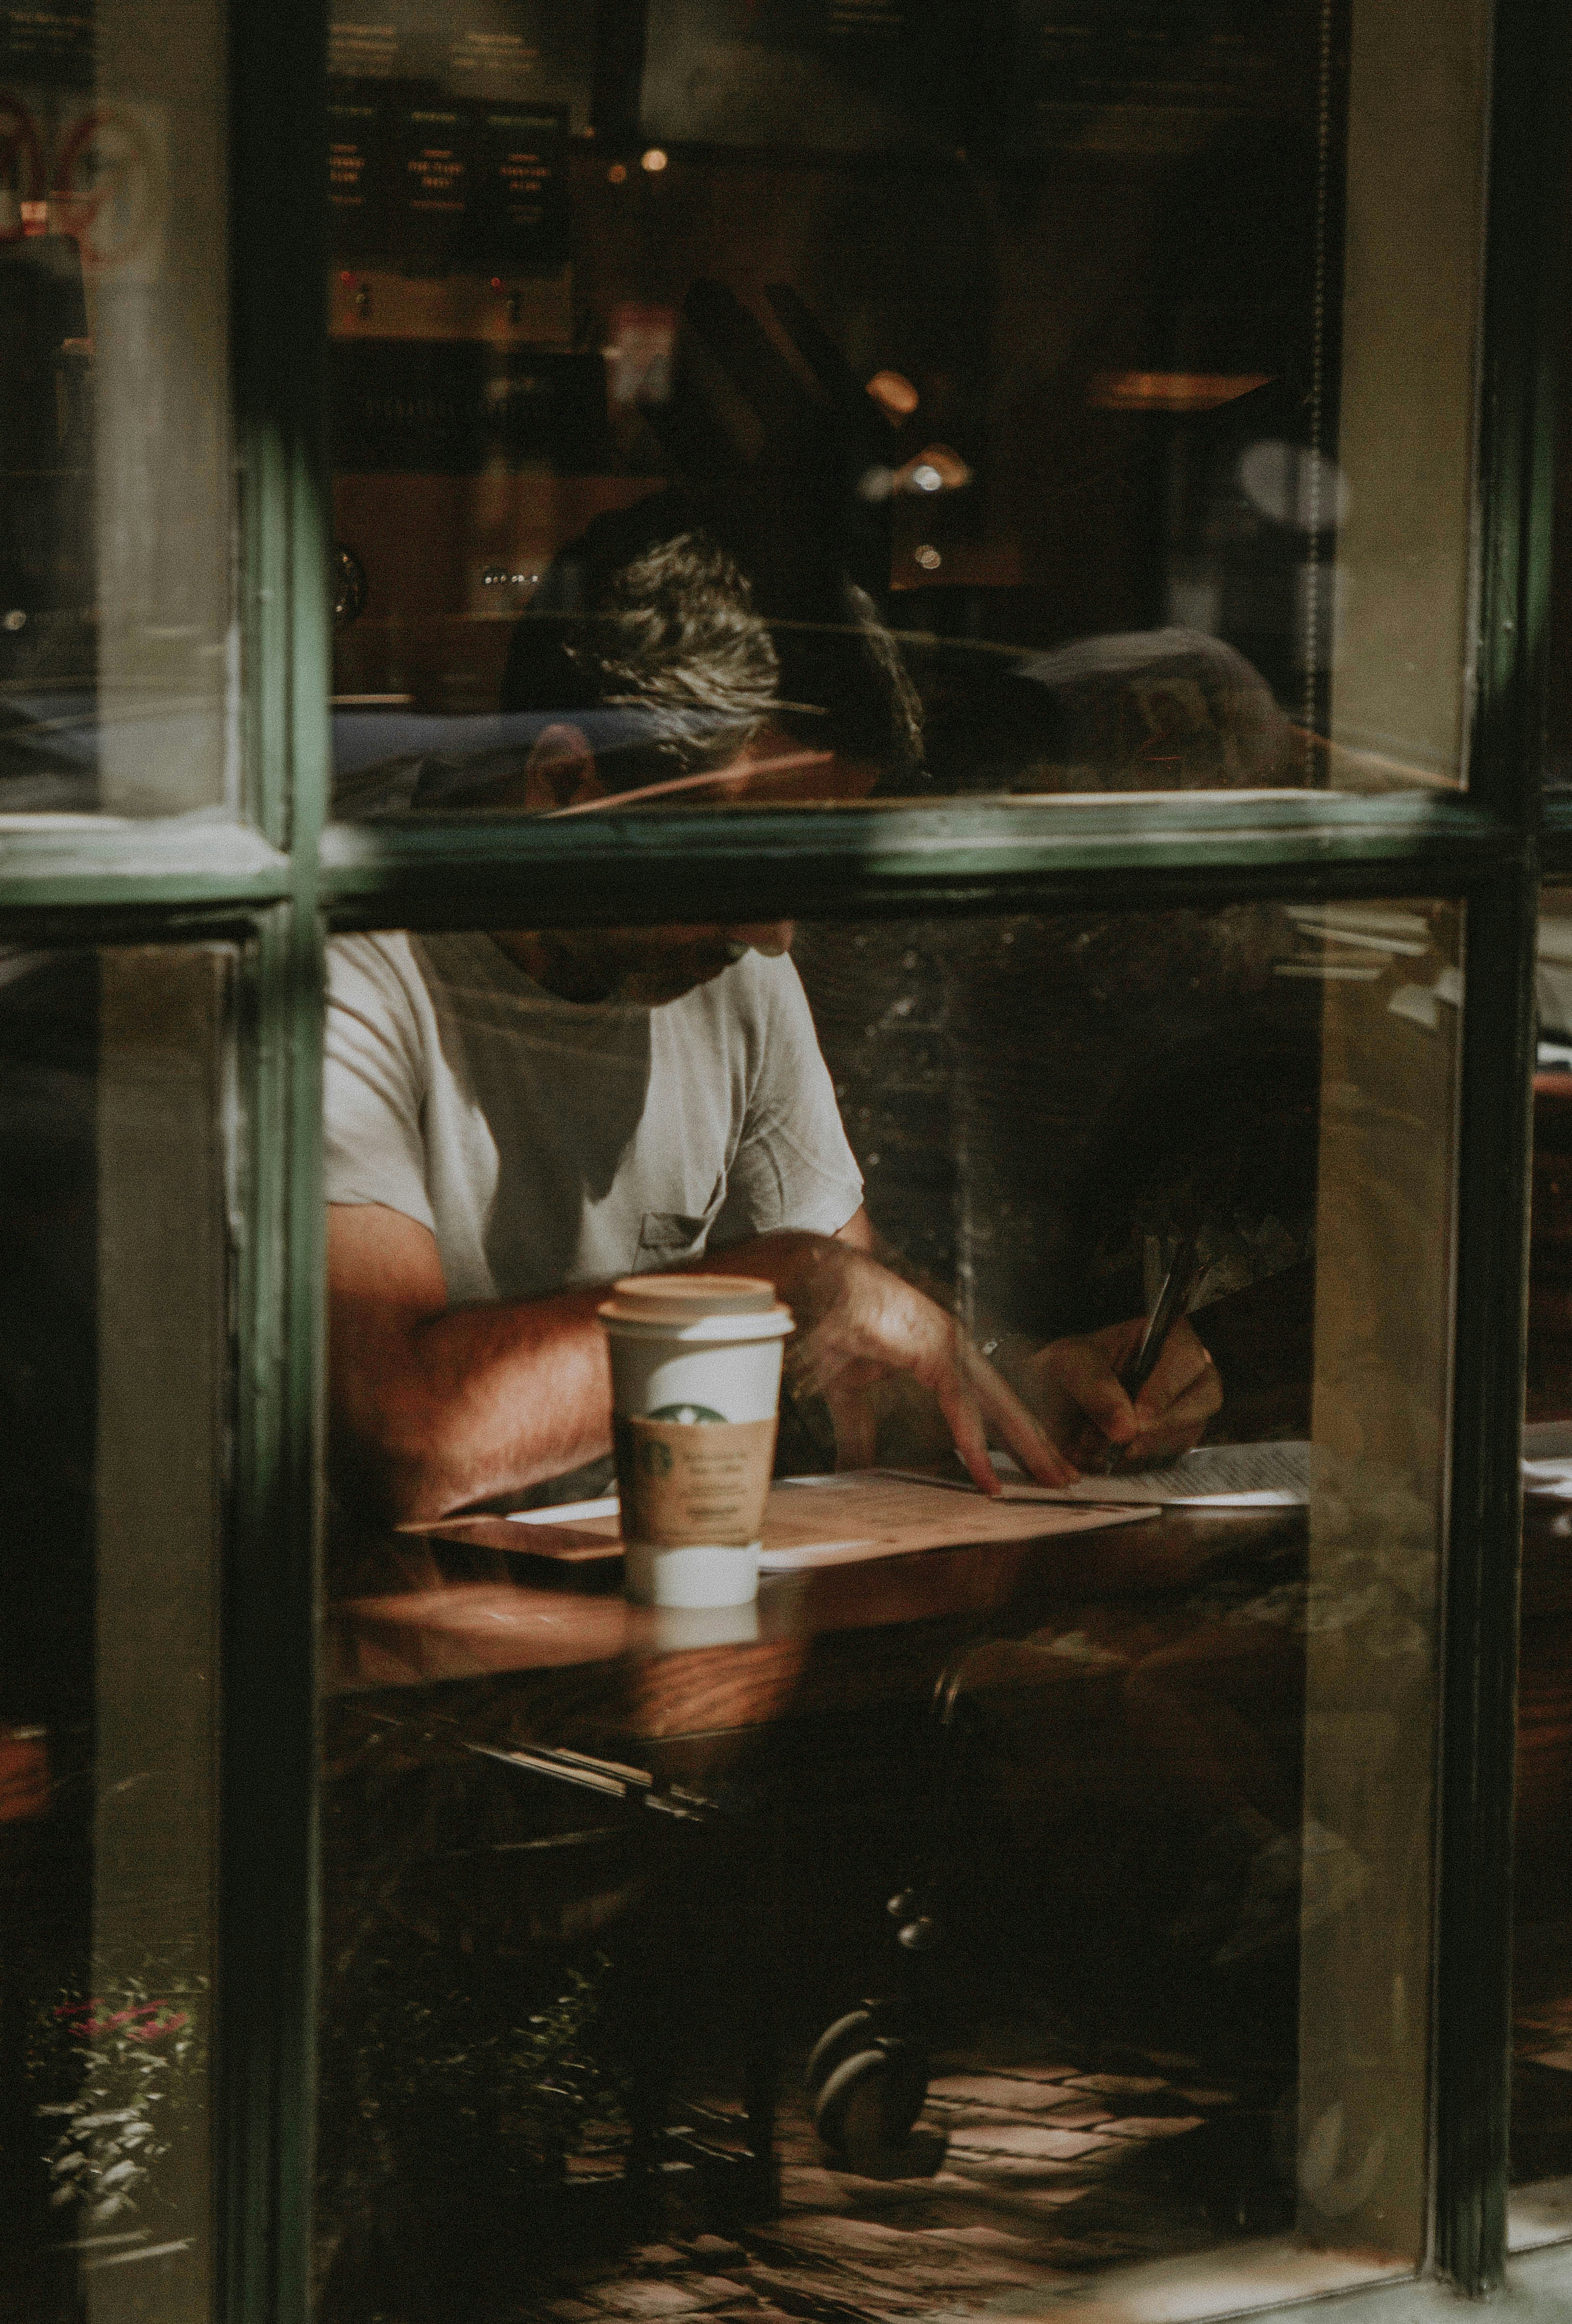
(441, 1411)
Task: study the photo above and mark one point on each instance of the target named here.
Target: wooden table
(553, 1654)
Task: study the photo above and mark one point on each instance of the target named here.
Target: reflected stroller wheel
(867, 2107)
(843, 2039)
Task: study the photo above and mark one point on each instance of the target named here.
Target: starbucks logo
(687, 1414)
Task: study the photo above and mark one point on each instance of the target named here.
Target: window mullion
(1478, 1737)
(1523, 332)
(268, 1857)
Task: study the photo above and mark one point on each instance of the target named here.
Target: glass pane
(615, 2017)
(1558, 675)
(1542, 2121)
(115, 1207)
(1045, 399)
(116, 658)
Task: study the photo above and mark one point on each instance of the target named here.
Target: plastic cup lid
(688, 1299)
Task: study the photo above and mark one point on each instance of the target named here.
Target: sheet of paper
(840, 1520)
(1214, 1476)
(566, 1512)
(869, 1513)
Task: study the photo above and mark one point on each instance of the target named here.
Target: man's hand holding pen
(861, 1328)
(1076, 1390)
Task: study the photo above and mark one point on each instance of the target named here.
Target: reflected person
(514, 1119)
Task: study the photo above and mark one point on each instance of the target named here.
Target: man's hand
(1077, 1392)
(857, 1322)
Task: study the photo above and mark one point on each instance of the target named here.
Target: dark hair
(667, 636)
(649, 613)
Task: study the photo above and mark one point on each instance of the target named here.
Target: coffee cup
(695, 1395)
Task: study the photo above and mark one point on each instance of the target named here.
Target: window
(118, 1065)
(116, 645)
(1080, 342)
(787, 261)
(1165, 1856)
(1538, 2140)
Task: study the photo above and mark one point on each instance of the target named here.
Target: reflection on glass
(114, 597)
(1121, 370)
(614, 2009)
(1541, 2120)
(112, 1411)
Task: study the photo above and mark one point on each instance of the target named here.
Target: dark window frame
(283, 882)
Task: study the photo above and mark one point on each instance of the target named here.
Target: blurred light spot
(928, 558)
(15, 620)
(618, 173)
(876, 484)
(1292, 484)
(652, 161)
(1170, 391)
(935, 468)
(644, 339)
(893, 391)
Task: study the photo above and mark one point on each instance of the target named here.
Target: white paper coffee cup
(695, 1394)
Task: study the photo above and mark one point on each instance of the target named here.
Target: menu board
(1135, 76)
(357, 172)
(50, 46)
(835, 76)
(438, 187)
(527, 51)
(431, 186)
(522, 205)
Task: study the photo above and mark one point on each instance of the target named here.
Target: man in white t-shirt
(514, 1119)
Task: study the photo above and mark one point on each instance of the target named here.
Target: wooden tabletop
(553, 1654)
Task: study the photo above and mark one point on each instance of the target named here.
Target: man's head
(658, 678)
(653, 667)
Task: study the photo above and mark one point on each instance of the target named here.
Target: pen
(1177, 1284)
(1137, 1368)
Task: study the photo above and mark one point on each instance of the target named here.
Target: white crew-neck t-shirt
(547, 1144)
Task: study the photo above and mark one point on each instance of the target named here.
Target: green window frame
(285, 881)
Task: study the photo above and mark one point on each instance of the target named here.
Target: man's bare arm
(859, 1232)
(437, 1407)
